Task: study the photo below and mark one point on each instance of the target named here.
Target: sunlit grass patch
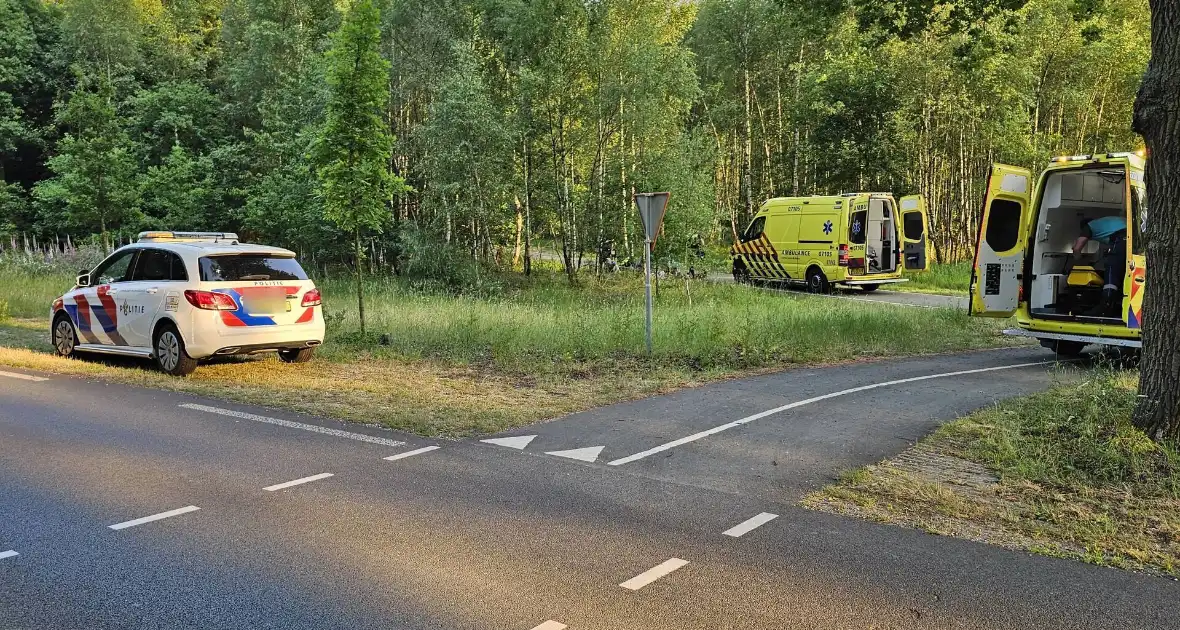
(942, 278)
(1062, 473)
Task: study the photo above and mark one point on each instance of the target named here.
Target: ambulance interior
(880, 237)
(1069, 198)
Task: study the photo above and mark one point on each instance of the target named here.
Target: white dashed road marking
(394, 458)
(24, 377)
(653, 574)
(12, 554)
(297, 482)
(758, 416)
(156, 517)
(360, 437)
(741, 529)
(551, 625)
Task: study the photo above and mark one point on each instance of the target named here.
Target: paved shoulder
(781, 435)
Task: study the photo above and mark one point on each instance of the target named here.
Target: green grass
(697, 325)
(1073, 478)
(521, 350)
(946, 279)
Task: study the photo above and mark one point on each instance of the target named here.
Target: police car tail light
(312, 298)
(843, 260)
(210, 301)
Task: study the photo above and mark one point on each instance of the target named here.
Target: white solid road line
(24, 377)
(394, 458)
(741, 529)
(758, 416)
(551, 625)
(653, 574)
(360, 437)
(297, 482)
(12, 554)
(156, 517)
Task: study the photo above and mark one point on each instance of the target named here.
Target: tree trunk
(1158, 120)
(749, 157)
(360, 287)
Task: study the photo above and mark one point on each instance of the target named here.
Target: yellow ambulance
(1025, 263)
(855, 239)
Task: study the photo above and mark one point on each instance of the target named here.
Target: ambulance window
(115, 269)
(913, 225)
(755, 229)
(1003, 225)
(856, 228)
(1139, 218)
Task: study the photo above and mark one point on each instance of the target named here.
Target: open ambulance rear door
(915, 227)
(999, 252)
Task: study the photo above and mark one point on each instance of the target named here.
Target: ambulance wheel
(817, 282)
(1063, 348)
(171, 357)
(65, 338)
(302, 355)
(869, 288)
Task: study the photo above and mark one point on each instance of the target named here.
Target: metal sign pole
(651, 212)
(647, 287)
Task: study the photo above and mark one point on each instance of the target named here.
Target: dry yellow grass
(426, 397)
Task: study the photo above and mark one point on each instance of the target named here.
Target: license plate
(857, 272)
(266, 303)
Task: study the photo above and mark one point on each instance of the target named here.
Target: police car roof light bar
(157, 236)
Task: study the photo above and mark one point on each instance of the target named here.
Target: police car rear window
(247, 267)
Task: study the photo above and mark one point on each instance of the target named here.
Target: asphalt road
(612, 519)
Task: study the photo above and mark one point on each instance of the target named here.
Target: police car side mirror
(84, 278)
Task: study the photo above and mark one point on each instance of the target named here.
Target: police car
(180, 297)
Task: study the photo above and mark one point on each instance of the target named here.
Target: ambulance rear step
(856, 283)
(1106, 341)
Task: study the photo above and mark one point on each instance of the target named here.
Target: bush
(430, 264)
(3, 309)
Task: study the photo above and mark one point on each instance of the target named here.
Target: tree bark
(360, 290)
(1157, 119)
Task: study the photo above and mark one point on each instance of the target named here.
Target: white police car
(179, 297)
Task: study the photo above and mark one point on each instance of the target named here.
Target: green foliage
(430, 264)
(1076, 435)
(528, 120)
(94, 168)
(353, 150)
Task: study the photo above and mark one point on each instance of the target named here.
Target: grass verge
(941, 279)
(456, 365)
(1062, 473)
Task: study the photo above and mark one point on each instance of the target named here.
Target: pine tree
(353, 150)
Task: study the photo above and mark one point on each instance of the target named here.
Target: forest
(518, 122)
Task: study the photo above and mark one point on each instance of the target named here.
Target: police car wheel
(65, 338)
(303, 355)
(171, 356)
